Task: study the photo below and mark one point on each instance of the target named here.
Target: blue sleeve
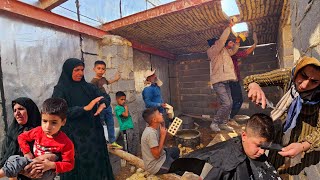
(147, 95)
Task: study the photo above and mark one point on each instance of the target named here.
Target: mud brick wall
(194, 91)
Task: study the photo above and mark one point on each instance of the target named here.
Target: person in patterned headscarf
(297, 114)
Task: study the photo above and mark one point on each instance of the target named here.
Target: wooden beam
(50, 4)
(39, 15)
(162, 10)
(137, 162)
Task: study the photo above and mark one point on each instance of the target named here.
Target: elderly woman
(26, 116)
(83, 125)
(298, 114)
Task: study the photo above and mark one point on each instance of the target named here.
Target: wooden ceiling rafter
(50, 4)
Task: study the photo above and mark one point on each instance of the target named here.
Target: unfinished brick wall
(195, 94)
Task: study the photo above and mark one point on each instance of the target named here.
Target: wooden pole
(135, 161)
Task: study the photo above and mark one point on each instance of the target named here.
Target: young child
(242, 157)
(156, 158)
(48, 139)
(125, 122)
(106, 114)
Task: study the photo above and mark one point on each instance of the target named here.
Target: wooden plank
(50, 4)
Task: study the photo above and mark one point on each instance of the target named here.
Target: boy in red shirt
(48, 139)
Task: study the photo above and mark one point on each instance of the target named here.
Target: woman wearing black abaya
(83, 125)
(26, 116)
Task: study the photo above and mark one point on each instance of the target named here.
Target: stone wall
(194, 91)
(305, 27)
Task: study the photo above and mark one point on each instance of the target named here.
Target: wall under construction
(195, 94)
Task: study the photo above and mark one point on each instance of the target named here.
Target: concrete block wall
(305, 28)
(194, 91)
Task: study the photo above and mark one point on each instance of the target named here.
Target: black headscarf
(10, 144)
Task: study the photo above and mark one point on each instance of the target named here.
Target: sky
(97, 12)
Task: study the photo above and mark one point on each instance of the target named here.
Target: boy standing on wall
(106, 114)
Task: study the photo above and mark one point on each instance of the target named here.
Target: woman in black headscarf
(26, 116)
(83, 126)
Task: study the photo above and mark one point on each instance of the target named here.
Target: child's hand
(92, 103)
(163, 131)
(100, 108)
(29, 155)
(164, 105)
(117, 76)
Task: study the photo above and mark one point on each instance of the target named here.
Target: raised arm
(115, 79)
(252, 84)
(255, 39)
(235, 48)
(156, 150)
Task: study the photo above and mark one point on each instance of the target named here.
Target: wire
(80, 14)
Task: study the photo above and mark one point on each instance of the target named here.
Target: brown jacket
(221, 65)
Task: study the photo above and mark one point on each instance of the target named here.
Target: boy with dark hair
(48, 139)
(156, 158)
(106, 114)
(125, 122)
(242, 157)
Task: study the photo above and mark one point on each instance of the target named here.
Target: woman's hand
(92, 104)
(34, 175)
(100, 108)
(29, 170)
(256, 94)
(44, 165)
(292, 150)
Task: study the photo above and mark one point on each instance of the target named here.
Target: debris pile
(187, 150)
(142, 175)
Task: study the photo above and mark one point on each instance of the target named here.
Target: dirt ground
(206, 137)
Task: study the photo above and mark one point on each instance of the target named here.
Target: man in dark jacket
(241, 158)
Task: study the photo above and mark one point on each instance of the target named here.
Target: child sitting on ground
(125, 122)
(106, 114)
(48, 139)
(242, 157)
(156, 158)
